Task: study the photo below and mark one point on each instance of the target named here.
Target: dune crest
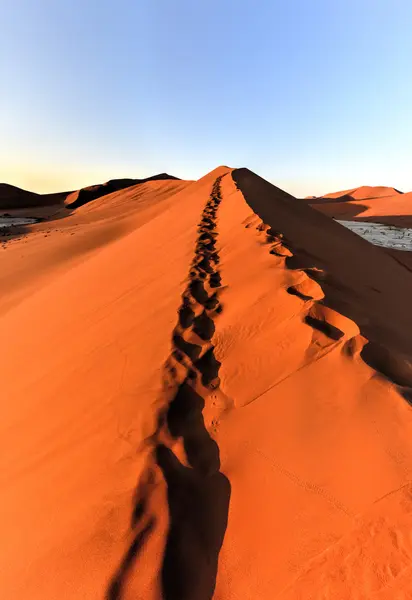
(364, 192)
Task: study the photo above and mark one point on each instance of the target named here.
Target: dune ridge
(364, 192)
(324, 320)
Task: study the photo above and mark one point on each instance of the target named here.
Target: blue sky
(314, 95)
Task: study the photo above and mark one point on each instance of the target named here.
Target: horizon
(73, 189)
(96, 93)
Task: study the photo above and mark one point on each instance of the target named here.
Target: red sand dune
(380, 204)
(209, 400)
(365, 192)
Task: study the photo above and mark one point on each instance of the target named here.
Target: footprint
(307, 289)
(333, 324)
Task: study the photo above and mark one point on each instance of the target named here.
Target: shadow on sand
(198, 500)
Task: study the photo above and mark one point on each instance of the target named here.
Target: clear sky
(314, 95)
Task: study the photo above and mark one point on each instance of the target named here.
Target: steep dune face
(364, 293)
(196, 418)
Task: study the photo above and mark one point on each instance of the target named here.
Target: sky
(315, 96)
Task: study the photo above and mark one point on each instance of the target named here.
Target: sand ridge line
(198, 494)
(334, 325)
(330, 328)
(328, 324)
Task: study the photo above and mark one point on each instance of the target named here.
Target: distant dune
(382, 204)
(85, 195)
(12, 197)
(364, 192)
(207, 395)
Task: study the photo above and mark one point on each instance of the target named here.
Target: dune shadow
(13, 232)
(115, 590)
(339, 208)
(198, 513)
(390, 364)
(324, 327)
(198, 502)
(198, 495)
(293, 291)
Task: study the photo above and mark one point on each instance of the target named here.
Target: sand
(93, 192)
(368, 204)
(206, 395)
(12, 197)
(376, 204)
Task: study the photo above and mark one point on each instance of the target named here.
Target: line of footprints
(193, 352)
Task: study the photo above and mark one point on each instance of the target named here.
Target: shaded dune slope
(12, 197)
(358, 279)
(214, 428)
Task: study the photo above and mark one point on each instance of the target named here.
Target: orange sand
(206, 394)
(378, 204)
(375, 204)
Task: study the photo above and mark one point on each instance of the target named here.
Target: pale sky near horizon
(314, 96)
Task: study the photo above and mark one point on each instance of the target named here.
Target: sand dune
(364, 192)
(378, 204)
(85, 195)
(12, 197)
(31, 256)
(367, 204)
(211, 400)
